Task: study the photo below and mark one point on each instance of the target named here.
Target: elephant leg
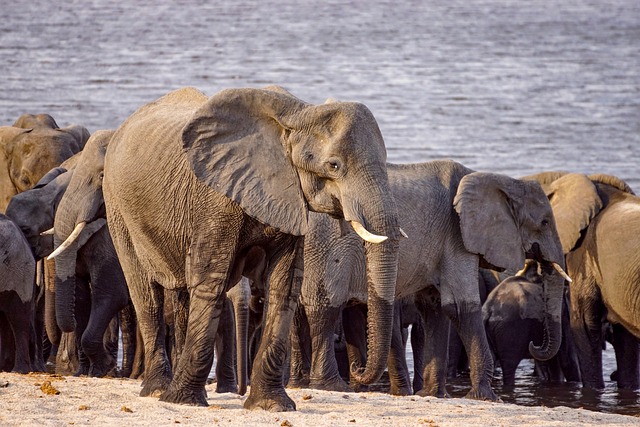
(586, 327)
(627, 348)
(397, 360)
(82, 315)
(102, 314)
(300, 350)
(324, 374)
(267, 389)
(21, 322)
(509, 366)
(418, 342)
(436, 350)
(128, 330)
(7, 344)
(148, 301)
(226, 351)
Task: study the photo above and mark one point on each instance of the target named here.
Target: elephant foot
(276, 401)
(483, 393)
(337, 384)
(226, 387)
(83, 370)
(105, 367)
(154, 387)
(400, 390)
(196, 397)
(434, 391)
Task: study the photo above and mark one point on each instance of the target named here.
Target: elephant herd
(273, 233)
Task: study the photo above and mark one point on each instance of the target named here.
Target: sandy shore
(29, 400)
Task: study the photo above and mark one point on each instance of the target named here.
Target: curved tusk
(73, 236)
(562, 272)
(365, 234)
(403, 234)
(521, 272)
(48, 232)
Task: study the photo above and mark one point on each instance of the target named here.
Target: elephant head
(279, 157)
(576, 199)
(80, 213)
(506, 221)
(28, 153)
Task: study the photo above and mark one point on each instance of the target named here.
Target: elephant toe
(485, 394)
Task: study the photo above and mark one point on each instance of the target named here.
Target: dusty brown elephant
(30, 148)
(192, 183)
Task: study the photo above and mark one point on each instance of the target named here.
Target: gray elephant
(102, 288)
(17, 301)
(598, 219)
(31, 147)
(193, 183)
(456, 220)
(514, 316)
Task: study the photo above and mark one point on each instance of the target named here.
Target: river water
(500, 85)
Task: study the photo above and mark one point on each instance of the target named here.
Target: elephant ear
(575, 202)
(235, 145)
(49, 176)
(79, 133)
(485, 203)
(545, 178)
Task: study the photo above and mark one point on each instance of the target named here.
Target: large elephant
(598, 219)
(17, 301)
(456, 220)
(193, 183)
(31, 147)
(513, 316)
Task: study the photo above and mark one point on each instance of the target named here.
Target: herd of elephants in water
(273, 233)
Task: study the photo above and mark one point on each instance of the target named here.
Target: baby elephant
(17, 300)
(513, 316)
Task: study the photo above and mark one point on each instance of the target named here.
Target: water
(500, 85)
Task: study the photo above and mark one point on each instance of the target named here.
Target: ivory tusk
(521, 272)
(562, 272)
(48, 232)
(403, 234)
(365, 234)
(72, 237)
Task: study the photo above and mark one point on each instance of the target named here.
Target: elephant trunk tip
(365, 376)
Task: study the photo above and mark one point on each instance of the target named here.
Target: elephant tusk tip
(403, 234)
(47, 232)
(365, 234)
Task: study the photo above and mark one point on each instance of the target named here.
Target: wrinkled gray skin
(455, 219)
(598, 219)
(17, 301)
(31, 147)
(193, 183)
(514, 316)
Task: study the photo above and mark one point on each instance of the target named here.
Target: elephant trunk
(553, 293)
(382, 266)
(241, 310)
(65, 284)
(51, 324)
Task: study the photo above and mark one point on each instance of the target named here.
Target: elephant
(457, 220)
(513, 315)
(17, 301)
(192, 183)
(31, 147)
(598, 219)
(88, 269)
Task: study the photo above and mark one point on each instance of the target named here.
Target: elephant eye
(545, 222)
(101, 176)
